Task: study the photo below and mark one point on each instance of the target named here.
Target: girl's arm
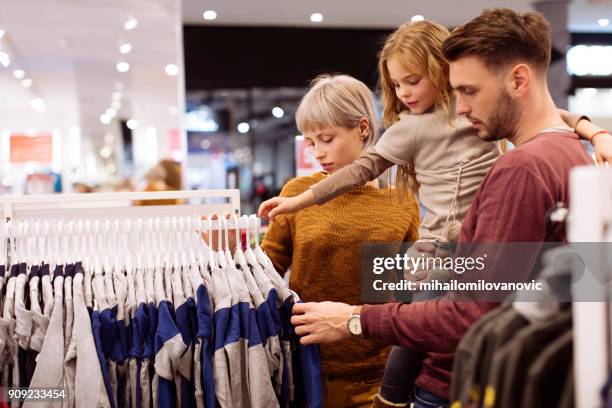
(397, 145)
(366, 168)
(599, 138)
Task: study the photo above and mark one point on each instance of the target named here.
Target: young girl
(322, 245)
(440, 156)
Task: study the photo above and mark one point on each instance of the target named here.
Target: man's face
(483, 99)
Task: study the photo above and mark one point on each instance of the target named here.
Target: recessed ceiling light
(27, 82)
(417, 17)
(278, 112)
(117, 96)
(19, 73)
(111, 112)
(125, 48)
(131, 24)
(116, 105)
(132, 124)
(105, 119)
(243, 127)
(209, 15)
(316, 17)
(603, 22)
(38, 104)
(5, 60)
(172, 69)
(109, 138)
(123, 66)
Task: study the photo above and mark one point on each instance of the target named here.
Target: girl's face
(335, 147)
(415, 90)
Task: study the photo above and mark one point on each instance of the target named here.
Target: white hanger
(248, 253)
(238, 254)
(220, 253)
(227, 250)
(259, 253)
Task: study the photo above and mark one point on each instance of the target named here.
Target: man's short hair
(501, 37)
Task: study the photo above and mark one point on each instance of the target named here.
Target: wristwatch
(354, 322)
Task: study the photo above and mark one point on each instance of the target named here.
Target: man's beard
(503, 121)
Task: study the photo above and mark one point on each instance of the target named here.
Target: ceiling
(69, 48)
(583, 14)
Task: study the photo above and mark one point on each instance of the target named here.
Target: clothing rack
(591, 221)
(57, 210)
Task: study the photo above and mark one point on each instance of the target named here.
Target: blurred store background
(96, 94)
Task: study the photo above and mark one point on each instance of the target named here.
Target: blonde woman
(322, 245)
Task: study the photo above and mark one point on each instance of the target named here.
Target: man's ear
(518, 79)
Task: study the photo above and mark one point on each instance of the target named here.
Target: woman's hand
(602, 143)
(285, 205)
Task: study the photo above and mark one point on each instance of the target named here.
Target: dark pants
(424, 399)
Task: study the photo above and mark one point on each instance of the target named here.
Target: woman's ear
(364, 128)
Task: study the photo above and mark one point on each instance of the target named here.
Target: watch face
(354, 325)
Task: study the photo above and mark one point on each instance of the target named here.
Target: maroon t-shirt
(511, 205)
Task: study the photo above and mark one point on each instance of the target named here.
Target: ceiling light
(111, 112)
(116, 105)
(316, 17)
(125, 48)
(27, 82)
(109, 138)
(132, 124)
(172, 70)
(105, 119)
(38, 104)
(123, 66)
(243, 127)
(131, 24)
(117, 96)
(5, 60)
(19, 73)
(106, 152)
(210, 15)
(603, 22)
(417, 17)
(278, 112)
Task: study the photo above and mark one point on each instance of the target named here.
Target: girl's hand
(602, 143)
(285, 205)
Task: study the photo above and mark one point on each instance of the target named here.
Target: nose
(461, 107)
(319, 153)
(404, 92)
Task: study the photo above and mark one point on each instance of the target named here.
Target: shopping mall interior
(94, 94)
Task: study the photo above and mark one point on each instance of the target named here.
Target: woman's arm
(278, 240)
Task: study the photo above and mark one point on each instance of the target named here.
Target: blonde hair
(337, 101)
(418, 45)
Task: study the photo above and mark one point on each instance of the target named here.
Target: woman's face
(335, 147)
(414, 90)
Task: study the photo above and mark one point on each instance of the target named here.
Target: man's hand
(602, 143)
(321, 322)
(285, 205)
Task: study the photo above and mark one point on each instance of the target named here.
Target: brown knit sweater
(322, 245)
